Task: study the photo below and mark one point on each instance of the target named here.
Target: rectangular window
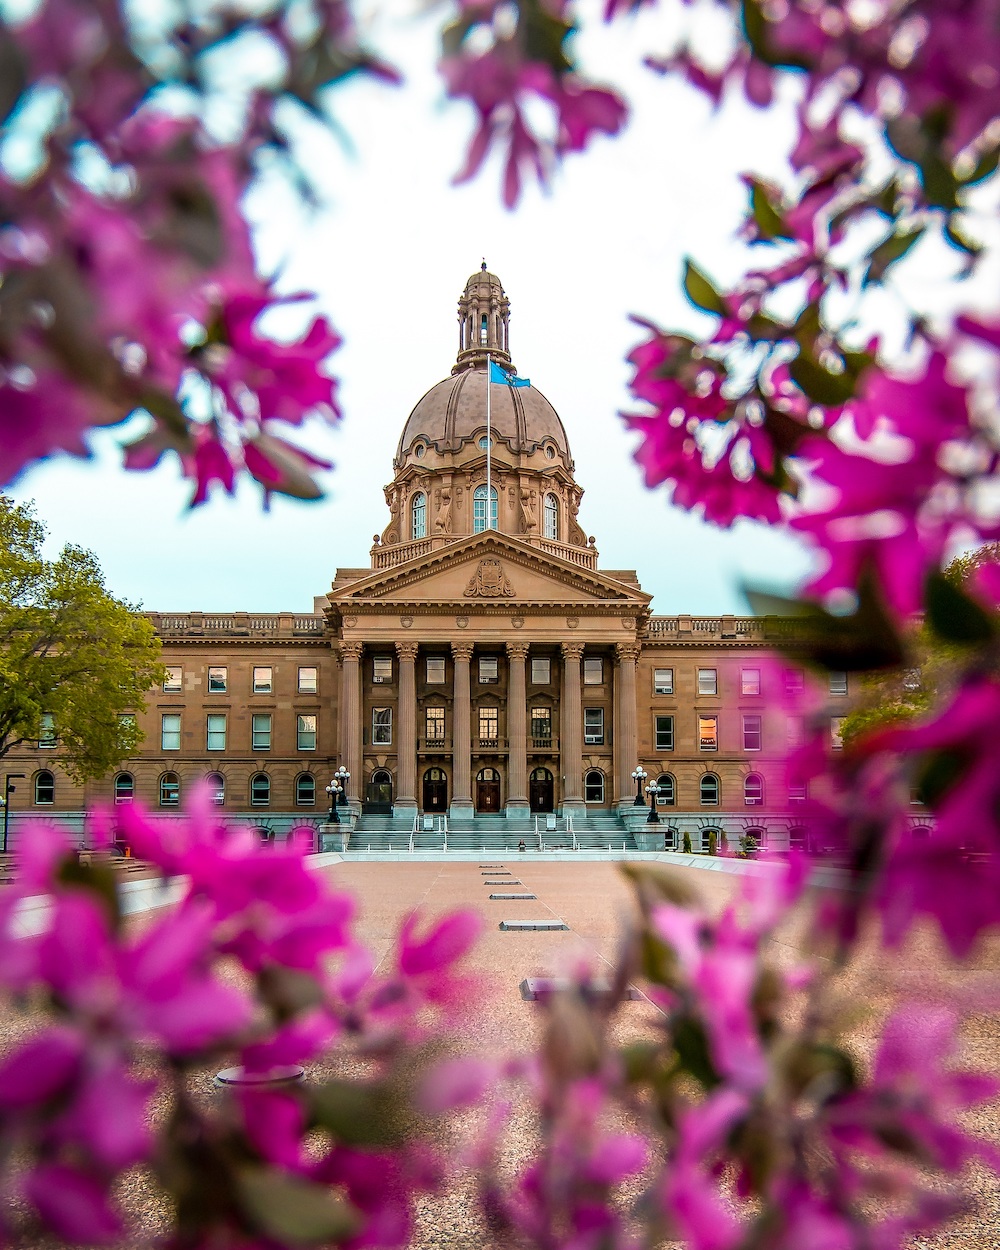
(796, 791)
(838, 683)
(489, 669)
(593, 726)
(793, 731)
(172, 679)
(593, 671)
(262, 680)
(663, 681)
(261, 731)
(836, 736)
(216, 738)
(435, 670)
(664, 733)
(795, 681)
(381, 726)
(708, 681)
(541, 726)
(217, 679)
(306, 732)
(750, 681)
(307, 681)
(708, 733)
(382, 669)
(47, 730)
(126, 728)
(435, 724)
(170, 732)
(752, 733)
(489, 724)
(541, 670)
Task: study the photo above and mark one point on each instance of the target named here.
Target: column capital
(462, 651)
(572, 650)
(627, 651)
(351, 650)
(518, 650)
(407, 650)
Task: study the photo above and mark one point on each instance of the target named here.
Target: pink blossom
(446, 941)
(72, 1203)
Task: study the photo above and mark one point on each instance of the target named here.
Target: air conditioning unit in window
(753, 802)
(593, 740)
(379, 680)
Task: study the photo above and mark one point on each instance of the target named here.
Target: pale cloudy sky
(388, 255)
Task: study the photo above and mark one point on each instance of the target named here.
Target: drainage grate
(525, 926)
(486, 871)
(506, 881)
(495, 867)
(534, 988)
(513, 896)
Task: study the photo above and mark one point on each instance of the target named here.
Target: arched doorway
(435, 790)
(487, 790)
(541, 791)
(378, 793)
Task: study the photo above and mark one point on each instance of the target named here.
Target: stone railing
(585, 557)
(389, 555)
(235, 625)
(700, 628)
(398, 553)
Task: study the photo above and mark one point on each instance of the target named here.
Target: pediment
(494, 569)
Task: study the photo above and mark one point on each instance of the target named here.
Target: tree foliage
(68, 649)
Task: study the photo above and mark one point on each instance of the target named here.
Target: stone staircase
(493, 834)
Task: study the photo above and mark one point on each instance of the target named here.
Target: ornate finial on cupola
(483, 313)
(483, 265)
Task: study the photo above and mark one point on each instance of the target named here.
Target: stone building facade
(484, 664)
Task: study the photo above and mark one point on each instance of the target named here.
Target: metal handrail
(413, 831)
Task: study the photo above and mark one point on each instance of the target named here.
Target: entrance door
(541, 794)
(488, 790)
(435, 790)
(378, 793)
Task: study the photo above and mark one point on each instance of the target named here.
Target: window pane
(306, 734)
(793, 731)
(750, 681)
(47, 730)
(489, 722)
(593, 787)
(663, 681)
(593, 671)
(216, 733)
(435, 669)
(382, 668)
(173, 678)
(217, 784)
(708, 733)
(45, 787)
(665, 791)
(382, 726)
(479, 509)
(838, 683)
(418, 528)
(593, 726)
(261, 730)
(262, 683)
(541, 725)
(541, 670)
(752, 733)
(217, 678)
(551, 518)
(170, 790)
(307, 680)
(489, 668)
(124, 788)
(664, 733)
(435, 724)
(836, 725)
(708, 681)
(170, 732)
(305, 790)
(260, 790)
(753, 789)
(795, 681)
(709, 790)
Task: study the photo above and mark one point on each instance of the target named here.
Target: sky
(387, 253)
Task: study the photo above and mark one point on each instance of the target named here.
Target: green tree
(69, 650)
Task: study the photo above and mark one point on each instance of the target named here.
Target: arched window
(305, 790)
(550, 518)
(170, 790)
(217, 788)
(260, 790)
(666, 791)
(710, 790)
(418, 516)
(479, 509)
(753, 789)
(593, 786)
(45, 787)
(124, 788)
(484, 331)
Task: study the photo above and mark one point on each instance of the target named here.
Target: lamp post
(8, 790)
(639, 776)
(654, 816)
(333, 789)
(343, 777)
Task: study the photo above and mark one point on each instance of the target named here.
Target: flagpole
(489, 490)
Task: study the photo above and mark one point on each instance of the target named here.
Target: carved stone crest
(489, 582)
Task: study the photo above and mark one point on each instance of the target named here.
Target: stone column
(517, 733)
(405, 806)
(624, 733)
(350, 718)
(461, 759)
(571, 731)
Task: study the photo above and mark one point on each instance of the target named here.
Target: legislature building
(483, 671)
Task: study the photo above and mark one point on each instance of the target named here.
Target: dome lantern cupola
(483, 322)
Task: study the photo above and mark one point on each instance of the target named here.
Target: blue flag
(501, 378)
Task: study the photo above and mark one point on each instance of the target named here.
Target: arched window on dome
(418, 516)
(479, 510)
(550, 520)
(484, 331)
